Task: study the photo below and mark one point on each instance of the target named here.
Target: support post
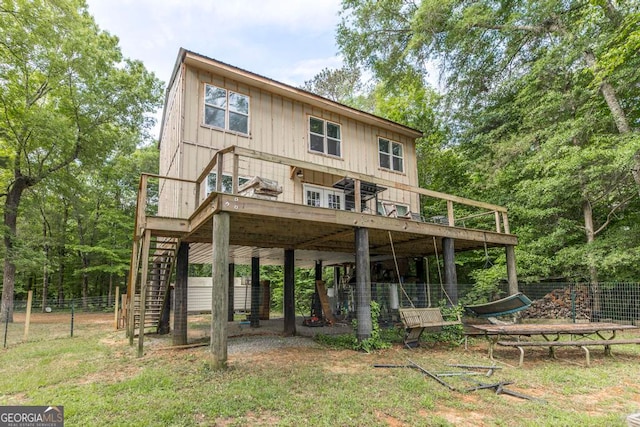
(180, 296)
(146, 248)
(363, 284)
(219, 291)
(163, 325)
(317, 305)
(289, 293)
(512, 275)
(450, 275)
(255, 292)
(232, 274)
(421, 290)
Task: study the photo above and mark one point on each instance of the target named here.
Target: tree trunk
(618, 114)
(593, 270)
(11, 205)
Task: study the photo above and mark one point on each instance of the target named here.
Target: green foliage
(376, 340)
(539, 103)
(74, 112)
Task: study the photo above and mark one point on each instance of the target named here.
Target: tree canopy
(69, 99)
(540, 100)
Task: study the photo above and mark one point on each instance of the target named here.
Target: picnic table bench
(579, 335)
(416, 320)
(583, 344)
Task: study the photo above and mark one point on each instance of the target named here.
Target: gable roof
(252, 79)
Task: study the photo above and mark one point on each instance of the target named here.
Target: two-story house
(256, 171)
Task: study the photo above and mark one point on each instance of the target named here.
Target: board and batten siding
(279, 125)
(170, 137)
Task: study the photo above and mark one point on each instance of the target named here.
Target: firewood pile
(557, 304)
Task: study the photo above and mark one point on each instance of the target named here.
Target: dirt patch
(65, 317)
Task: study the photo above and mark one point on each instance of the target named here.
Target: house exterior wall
(277, 125)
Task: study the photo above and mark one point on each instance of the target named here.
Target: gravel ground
(263, 343)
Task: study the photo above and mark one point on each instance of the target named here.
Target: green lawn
(98, 379)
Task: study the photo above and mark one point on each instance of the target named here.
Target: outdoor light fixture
(300, 173)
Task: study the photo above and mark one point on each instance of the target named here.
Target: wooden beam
(219, 171)
(512, 275)
(255, 292)
(180, 332)
(146, 247)
(450, 275)
(219, 297)
(363, 284)
(289, 293)
(232, 274)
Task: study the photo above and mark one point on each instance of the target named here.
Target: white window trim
(324, 193)
(325, 137)
(226, 110)
(391, 156)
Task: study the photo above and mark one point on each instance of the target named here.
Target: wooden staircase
(152, 263)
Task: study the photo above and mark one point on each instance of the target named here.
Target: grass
(98, 379)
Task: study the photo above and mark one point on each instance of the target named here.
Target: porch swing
(416, 320)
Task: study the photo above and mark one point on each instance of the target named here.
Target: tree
(540, 96)
(483, 44)
(67, 96)
(339, 85)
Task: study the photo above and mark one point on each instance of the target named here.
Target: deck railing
(180, 198)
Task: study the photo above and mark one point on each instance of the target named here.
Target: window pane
(215, 96)
(383, 146)
(227, 184)
(313, 198)
(238, 103)
(333, 147)
(316, 126)
(333, 131)
(211, 182)
(238, 122)
(242, 181)
(334, 201)
(214, 116)
(397, 164)
(402, 210)
(397, 150)
(385, 161)
(316, 143)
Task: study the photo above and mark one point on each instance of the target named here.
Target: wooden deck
(264, 227)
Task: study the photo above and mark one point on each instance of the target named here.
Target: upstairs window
(324, 137)
(391, 155)
(226, 109)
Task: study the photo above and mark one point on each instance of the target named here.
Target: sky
(286, 40)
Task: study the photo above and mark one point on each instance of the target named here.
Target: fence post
(115, 312)
(72, 306)
(27, 319)
(573, 304)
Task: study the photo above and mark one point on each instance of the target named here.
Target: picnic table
(556, 335)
